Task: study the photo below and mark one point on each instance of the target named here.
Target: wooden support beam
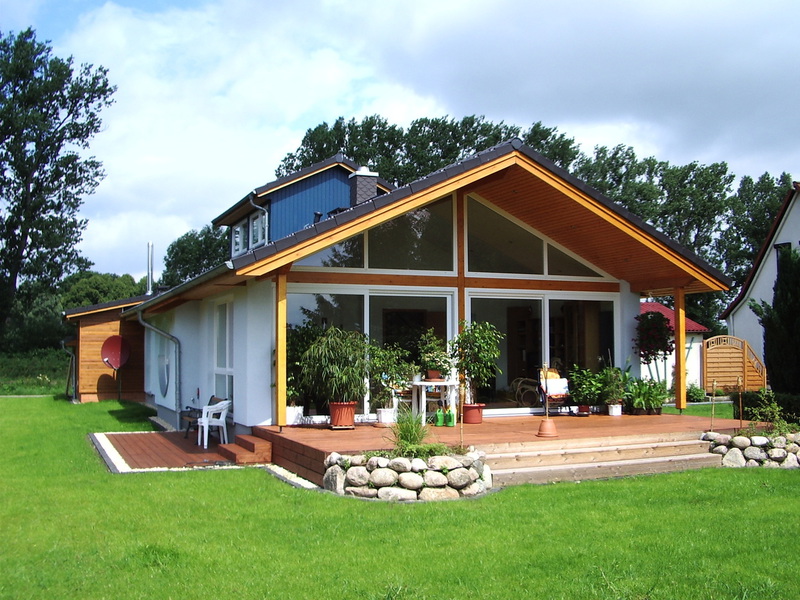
(280, 347)
(679, 379)
(461, 260)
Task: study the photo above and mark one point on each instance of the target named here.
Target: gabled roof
(524, 183)
(239, 210)
(691, 326)
(517, 180)
(765, 248)
(82, 311)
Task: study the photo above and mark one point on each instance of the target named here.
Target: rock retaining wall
(405, 479)
(777, 452)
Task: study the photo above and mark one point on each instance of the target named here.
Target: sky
(211, 95)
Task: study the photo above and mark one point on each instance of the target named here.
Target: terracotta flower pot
(343, 415)
(473, 413)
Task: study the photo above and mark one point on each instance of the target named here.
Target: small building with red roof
(662, 370)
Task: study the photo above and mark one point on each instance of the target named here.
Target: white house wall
(742, 322)
(663, 370)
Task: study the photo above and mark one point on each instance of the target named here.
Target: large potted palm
(475, 351)
(335, 367)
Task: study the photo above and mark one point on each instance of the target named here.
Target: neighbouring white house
(504, 236)
(785, 232)
(663, 370)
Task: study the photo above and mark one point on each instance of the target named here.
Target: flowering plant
(654, 336)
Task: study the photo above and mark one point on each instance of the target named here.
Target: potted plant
(389, 374)
(474, 352)
(585, 387)
(336, 367)
(298, 339)
(613, 389)
(433, 357)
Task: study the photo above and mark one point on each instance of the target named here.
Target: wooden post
(679, 381)
(280, 347)
(461, 255)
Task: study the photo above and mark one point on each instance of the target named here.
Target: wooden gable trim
(622, 224)
(272, 190)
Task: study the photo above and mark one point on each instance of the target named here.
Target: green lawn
(721, 410)
(71, 529)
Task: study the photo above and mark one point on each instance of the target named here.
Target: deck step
(550, 461)
(247, 450)
(605, 469)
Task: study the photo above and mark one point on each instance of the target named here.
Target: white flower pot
(294, 415)
(615, 410)
(386, 416)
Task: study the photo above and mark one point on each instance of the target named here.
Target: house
(91, 378)
(663, 370)
(785, 232)
(504, 236)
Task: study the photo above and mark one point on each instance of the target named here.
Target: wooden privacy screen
(726, 359)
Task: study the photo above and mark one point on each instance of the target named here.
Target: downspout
(177, 343)
(250, 197)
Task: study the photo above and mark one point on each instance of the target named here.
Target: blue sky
(212, 94)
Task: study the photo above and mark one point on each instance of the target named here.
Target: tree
(194, 253)
(781, 323)
(49, 112)
(429, 144)
(89, 287)
(754, 207)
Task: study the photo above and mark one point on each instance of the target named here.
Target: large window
(581, 333)
(348, 254)
(223, 359)
(521, 352)
(402, 320)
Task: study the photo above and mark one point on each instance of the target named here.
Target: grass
(71, 529)
(722, 410)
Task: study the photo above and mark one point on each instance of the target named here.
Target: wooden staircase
(247, 450)
(552, 461)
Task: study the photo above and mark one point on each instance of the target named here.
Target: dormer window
(258, 229)
(239, 238)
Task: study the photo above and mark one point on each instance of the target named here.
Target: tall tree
(194, 253)
(429, 144)
(781, 323)
(49, 111)
(89, 287)
(754, 207)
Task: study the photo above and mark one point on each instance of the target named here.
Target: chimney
(363, 186)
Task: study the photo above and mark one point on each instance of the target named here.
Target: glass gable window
(497, 245)
(421, 240)
(560, 263)
(346, 254)
(345, 311)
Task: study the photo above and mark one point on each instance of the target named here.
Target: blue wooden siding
(292, 208)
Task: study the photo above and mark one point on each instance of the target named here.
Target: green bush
(767, 407)
(694, 393)
(42, 371)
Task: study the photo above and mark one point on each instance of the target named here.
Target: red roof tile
(691, 326)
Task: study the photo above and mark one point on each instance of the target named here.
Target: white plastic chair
(213, 416)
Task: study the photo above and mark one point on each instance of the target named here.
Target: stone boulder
(357, 476)
(435, 479)
(435, 494)
(411, 481)
(443, 463)
(333, 480)
(754, 453)
(383, 477)
(400, 464)
(459, 478)
(741, 442)
(396, 494)
(734, 457)
(361, 492)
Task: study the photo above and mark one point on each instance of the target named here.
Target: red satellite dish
(115, 352)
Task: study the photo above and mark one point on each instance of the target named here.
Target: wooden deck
(155, 450)
(303, 449)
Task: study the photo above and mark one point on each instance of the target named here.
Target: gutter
(177, 343)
